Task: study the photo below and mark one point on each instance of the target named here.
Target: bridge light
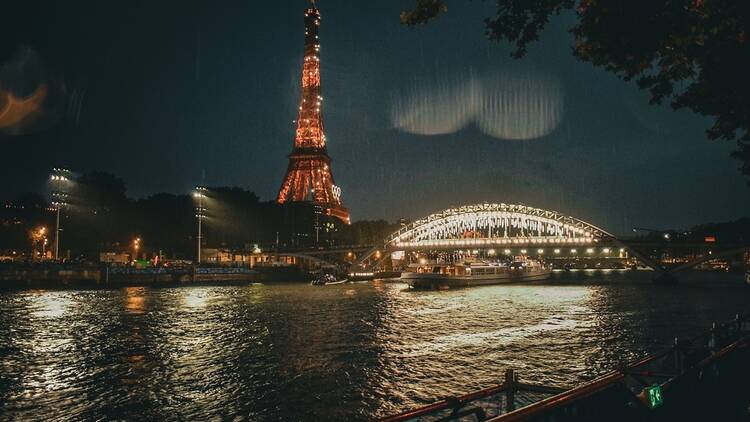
(523, 251)
(590, 250)
(422, 261)
(557, 251)
(540, 251)
(507, 251)
(491, 252)
(573, 251)
(606, 250)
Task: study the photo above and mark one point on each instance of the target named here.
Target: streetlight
(200, 214)
(136, 246)
(59, 196)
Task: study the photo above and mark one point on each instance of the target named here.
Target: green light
(655, 399)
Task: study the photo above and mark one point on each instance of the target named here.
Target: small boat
(327, 280)
(331, 283)
(446, 276)
(747, 277)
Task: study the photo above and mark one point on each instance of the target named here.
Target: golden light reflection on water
(135, 300)
(257, 293)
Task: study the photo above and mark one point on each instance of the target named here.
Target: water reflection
(135, 302)
(50, 304)
(312, 353)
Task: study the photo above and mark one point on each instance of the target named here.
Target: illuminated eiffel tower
(309, 177)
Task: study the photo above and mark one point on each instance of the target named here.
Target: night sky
(170, 91)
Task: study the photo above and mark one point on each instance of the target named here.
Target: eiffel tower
(309, 177)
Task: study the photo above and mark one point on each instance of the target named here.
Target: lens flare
(503, 107)
(16, 109)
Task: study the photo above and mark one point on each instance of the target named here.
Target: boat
(747, 277)
(331, 283)
(446, 276)
(327, 280)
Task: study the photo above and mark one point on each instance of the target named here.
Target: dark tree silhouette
(693, 53)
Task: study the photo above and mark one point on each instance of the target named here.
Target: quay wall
(104, 277)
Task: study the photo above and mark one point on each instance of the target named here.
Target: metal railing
(701, 378)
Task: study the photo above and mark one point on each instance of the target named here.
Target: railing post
(712, 336)
(738, 324)
(679, 363)
(511, 385)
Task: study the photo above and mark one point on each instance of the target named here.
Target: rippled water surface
(300, 352)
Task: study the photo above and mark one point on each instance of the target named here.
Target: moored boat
(327, 280)
(445, 276)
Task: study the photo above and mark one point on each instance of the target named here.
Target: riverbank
(60, 276)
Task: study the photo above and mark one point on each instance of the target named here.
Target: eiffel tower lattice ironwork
(309, 177)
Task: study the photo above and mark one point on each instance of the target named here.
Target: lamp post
(136, 246)
(200, 214)
(59, 176)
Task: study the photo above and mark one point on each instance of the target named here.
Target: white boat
(331, 283)
(445, 276)
(327, 280)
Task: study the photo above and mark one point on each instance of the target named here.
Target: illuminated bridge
(490, 226)
(494, 225)
(508, 229)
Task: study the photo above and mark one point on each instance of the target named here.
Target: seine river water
(354, 351)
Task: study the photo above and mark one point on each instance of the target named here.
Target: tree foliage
(693, 53)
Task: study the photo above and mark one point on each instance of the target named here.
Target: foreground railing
(702, 378)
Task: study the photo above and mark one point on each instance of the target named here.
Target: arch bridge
(493, 225)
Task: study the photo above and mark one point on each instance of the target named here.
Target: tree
(694, 53)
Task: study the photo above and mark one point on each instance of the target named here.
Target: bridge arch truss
(491, 225)
(494, 224)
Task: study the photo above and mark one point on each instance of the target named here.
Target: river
(353, 351)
